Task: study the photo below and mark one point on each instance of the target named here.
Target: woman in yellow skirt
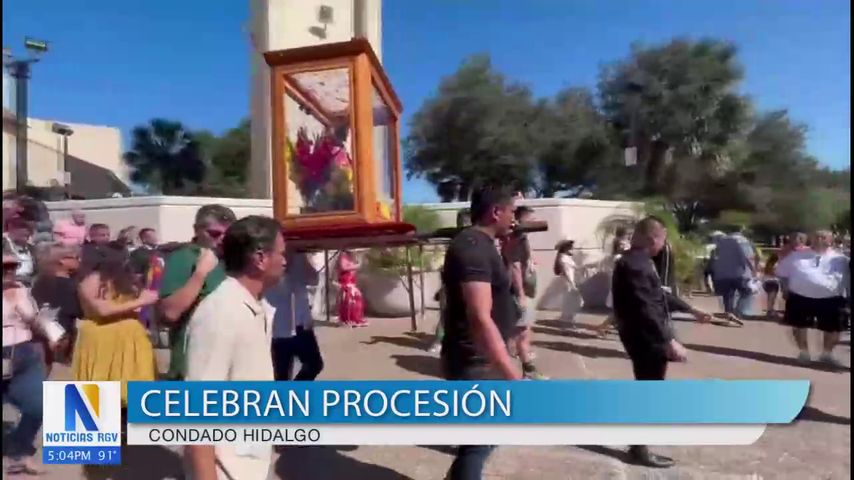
(112, 344)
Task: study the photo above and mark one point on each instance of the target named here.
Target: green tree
(232, 153)
(165, 156)
(809, 210)
(783, 184)
(678, 104)
(843, 220)
(227, 157)
(394, 260)
(478, 129)
(576, 150)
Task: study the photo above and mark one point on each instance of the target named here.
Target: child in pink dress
(350, 305)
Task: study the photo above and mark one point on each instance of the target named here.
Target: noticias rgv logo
(76, 408)
(82, 419)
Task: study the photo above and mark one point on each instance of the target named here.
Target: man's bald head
(650, 235)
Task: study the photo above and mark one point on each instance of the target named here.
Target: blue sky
(122, 63)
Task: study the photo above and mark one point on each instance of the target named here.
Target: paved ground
(815, 447)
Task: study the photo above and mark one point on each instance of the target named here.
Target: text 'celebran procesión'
(404, 403)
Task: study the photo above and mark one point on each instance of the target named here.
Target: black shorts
(825, 313)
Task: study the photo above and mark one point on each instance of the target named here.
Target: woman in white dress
(565, 267)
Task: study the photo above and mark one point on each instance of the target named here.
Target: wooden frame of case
(366, 73)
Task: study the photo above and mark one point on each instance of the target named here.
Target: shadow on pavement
(811, 414)
(140, 462)
(763, 357)
(421, 364)
(583, 350)
(563, 332)
(297, 463)
(614, 453)
(417, 340)
(763, 318)
(562, 326)
(445, 449)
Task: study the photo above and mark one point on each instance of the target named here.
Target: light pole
(19, 69)
(66, 132)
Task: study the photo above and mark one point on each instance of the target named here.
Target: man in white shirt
(816, 280)
(229, 339)
(290, 309)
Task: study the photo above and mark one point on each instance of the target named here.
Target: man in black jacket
(643, 320)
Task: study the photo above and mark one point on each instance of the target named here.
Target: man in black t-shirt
(480, 312)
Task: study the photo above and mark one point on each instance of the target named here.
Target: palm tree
(165, 156)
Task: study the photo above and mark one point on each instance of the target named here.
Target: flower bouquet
(322, 170)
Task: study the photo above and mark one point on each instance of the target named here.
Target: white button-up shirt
(228, 338)
(815, 276)
(288, 300)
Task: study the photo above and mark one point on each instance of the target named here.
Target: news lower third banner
(555, 412)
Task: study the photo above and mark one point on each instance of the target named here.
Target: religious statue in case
(335, 140)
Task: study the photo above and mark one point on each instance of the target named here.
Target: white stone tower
(282, 24)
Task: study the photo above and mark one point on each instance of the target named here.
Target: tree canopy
(700, 144)
(478, 129)
(169, 158)
(165, 156)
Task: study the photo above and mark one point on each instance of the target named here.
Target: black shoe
(642, 456)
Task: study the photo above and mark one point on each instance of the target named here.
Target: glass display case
(335, 137)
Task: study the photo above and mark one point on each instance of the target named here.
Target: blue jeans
(24, 391)
(303, 345)
(469, 463)
(470, 459)
(737, 296)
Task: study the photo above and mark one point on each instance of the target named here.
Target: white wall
(172, 217)
(579, 220)
(568, 219)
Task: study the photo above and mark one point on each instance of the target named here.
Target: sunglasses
(11, 266)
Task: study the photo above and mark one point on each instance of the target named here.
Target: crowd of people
(101, 304)
(479, 316)
(236, 301)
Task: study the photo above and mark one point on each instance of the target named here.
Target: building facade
(94, 154)
(94, 157)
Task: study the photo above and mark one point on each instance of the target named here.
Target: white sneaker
(804, 356)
